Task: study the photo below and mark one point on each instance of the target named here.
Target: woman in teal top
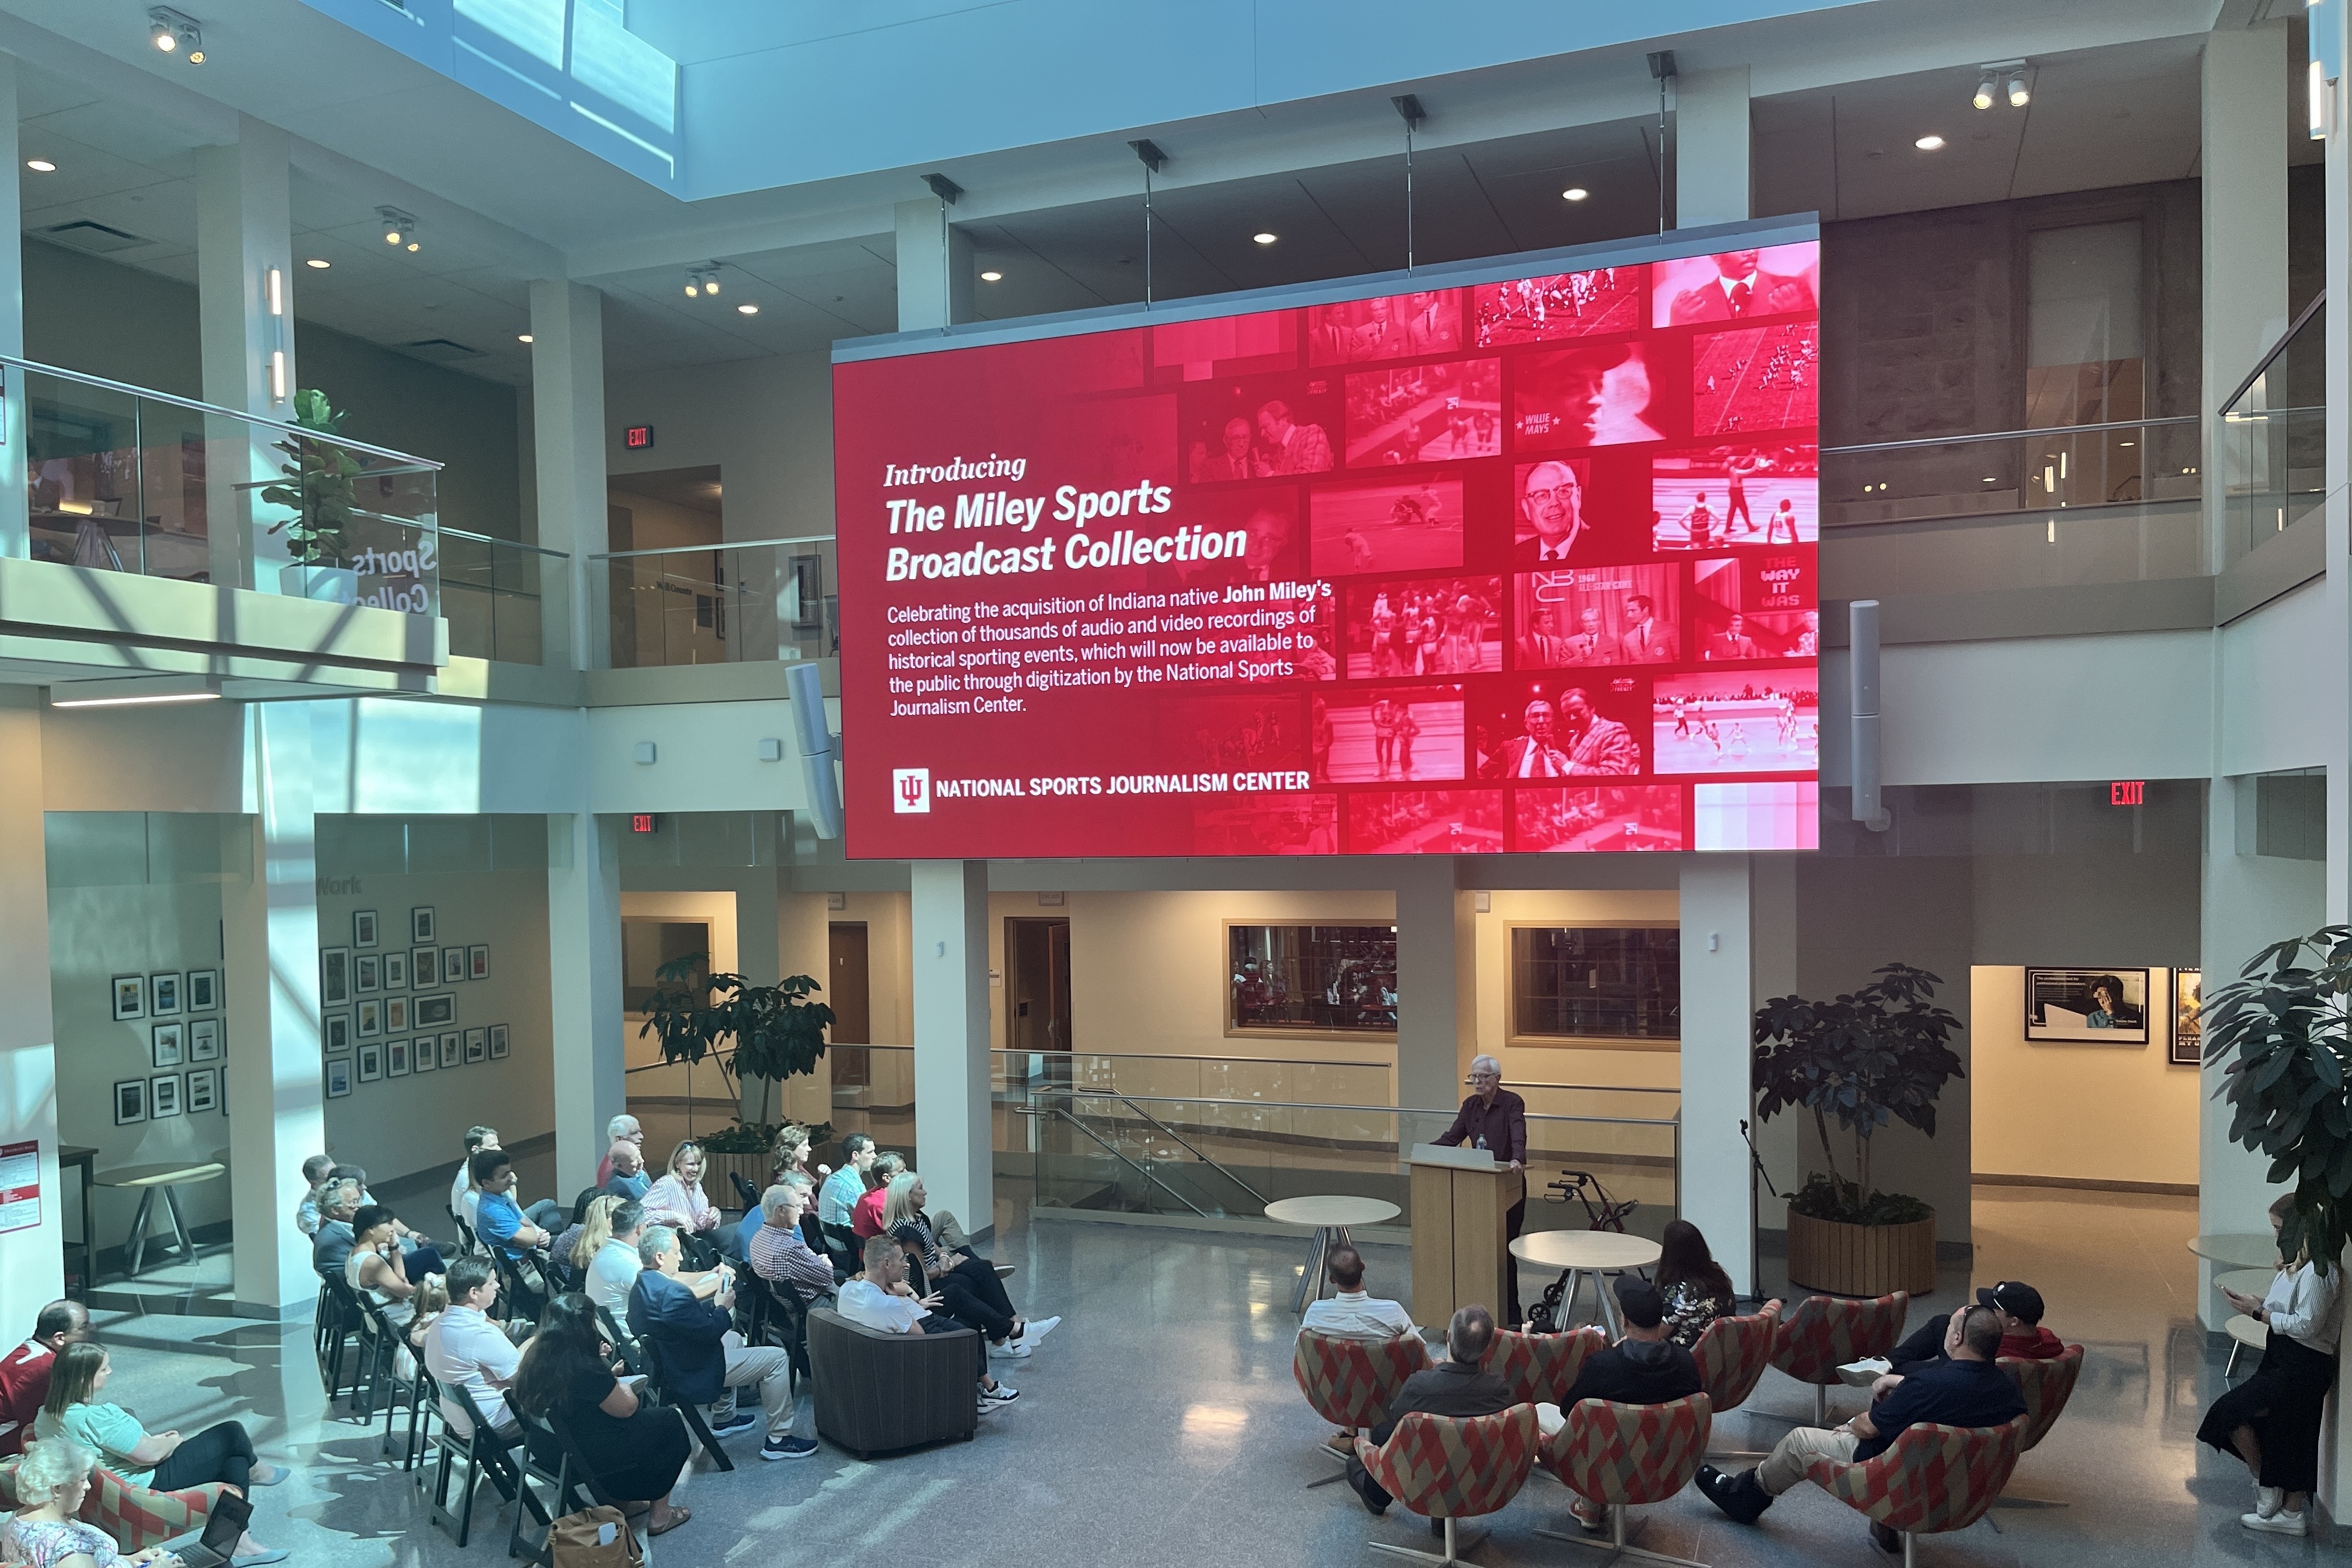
(161, 1461)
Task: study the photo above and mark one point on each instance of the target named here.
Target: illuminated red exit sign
(643, 822)
(637, 437)
(2127, 792)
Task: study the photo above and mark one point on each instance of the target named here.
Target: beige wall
(2080, 1112)
(719, 910)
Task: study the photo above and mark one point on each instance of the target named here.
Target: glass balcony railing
(759, 600)
(120, 479)
(2271, 445)
(500, 596)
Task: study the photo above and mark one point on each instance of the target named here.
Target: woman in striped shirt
(967, 1284)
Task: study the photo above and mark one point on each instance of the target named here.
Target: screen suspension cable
(1152, 158)
(1408, 106)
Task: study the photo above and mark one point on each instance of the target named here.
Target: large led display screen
(1525, 564)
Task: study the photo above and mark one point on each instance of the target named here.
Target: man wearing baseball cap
(1646, 1367)
(2022, 1337)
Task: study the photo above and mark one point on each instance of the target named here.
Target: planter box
(716, 1168)
(326, 584)
(1862, 1260)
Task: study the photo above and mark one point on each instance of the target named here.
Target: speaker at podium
(1461, 1200)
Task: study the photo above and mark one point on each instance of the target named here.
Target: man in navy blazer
(684, 1321)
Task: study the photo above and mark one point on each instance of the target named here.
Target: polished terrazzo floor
(1161, 1426)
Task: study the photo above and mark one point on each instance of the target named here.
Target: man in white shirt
(1352, 1313)
(464, 1348)
(614, 1270)
(883, 1299)
(462, 1196)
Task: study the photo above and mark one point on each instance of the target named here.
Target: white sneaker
(1037, 1329)
(2280, 1523)
(1012, 1350)
(1002, 1394)
(1863, 1373)
(2268, 1501)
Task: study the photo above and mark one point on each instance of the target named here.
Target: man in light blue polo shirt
(836, 1201)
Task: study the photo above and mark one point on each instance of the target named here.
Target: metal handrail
(510, 543)
(1122, 1159)
(2045, 432)
(1205, 1160)
(152, 396)
(1379, 1109)
(2269, 356)
(720, 544)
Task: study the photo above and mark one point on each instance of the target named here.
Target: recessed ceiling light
(991, 278)
(319, 262)
(1574, 193)
(522, 337)
(1266, 236)
(412, 248)
(41, 166)
(747, 309)
(1928, 143)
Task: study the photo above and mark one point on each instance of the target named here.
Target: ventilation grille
(94, 237)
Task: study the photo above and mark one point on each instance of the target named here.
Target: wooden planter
(1862, 1260)
(715, 1169)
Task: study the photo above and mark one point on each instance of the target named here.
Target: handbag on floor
(593, 1538)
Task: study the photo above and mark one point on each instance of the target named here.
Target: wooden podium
(1460, 1197)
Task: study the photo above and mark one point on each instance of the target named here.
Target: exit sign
(637, 437)
(2127, 792)
(643, 822)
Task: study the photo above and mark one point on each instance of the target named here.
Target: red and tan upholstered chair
(1350, 1383)
(1450, 1469)
(1619, 1454)
(2046, 1385)
(136, 1517)
(1933, 1479)
(1542, 1368)
(1824, 1332)
(1732, 1354)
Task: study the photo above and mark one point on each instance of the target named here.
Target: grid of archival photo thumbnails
(1570, 524)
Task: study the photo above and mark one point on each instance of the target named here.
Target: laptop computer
(223, 1529)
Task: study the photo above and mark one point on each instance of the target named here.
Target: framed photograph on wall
(369, 1023)
(363, 928)
(453, 1049)
(425, 966)
(371, 1061)
(334, 976)
(204, 991)
(163, 1096)
(499, 1042)
(2188, 1016)
(130, 1101)
(2095, 1006)
(395, 1014)
(452, 965)
(367, 973)
(425, 1057)
(203, 1090)
(396, 972)
(476, 1045)
(432, 1012)
(421, 928)
(168, 1042)
(163, 994)
(478, 961)
(395, 1060)
(205, 1040)
(339, 1077)
(130, 997)
(335, 1033)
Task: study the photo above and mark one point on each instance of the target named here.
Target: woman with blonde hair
(967, 1284)
(595, 1230)
(51, 1480)
(677, 1200)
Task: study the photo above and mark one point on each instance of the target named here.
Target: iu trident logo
(911, 789)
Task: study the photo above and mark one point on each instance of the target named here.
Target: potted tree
(777, 1032)
(320, 484)
(1880, 1054)
(2284, 1019)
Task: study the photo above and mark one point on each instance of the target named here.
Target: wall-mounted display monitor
(1520, 558)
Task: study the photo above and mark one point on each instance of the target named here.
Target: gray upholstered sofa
(876, 1393)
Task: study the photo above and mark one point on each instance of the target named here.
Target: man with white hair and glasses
(1496, 1119)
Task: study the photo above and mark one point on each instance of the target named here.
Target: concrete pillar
(1711, 137)
(2243, 195)
(269, 925)
(935, 276)
(32, 1263)
(584, 974)
(15, 532)
(567, 376)
(243, 231)
(1719, 980)
(804, 948)
(953, 1140)
(1437, 989)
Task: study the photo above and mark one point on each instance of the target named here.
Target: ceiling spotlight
(1985, 91)
(412, 248)
(747, 309)
(1928, 143)
(1574, 193)
(701, 280)
(1264, 237)
(991, 278)
(522, 337)
(172, 33)
(320, 262)
(2017, 95)
(398, 227)
(41, 166)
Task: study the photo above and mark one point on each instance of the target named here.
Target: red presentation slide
(1521, 565)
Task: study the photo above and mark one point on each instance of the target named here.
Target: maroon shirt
(1504, 1125)
(24, 1385)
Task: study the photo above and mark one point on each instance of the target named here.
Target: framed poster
(163, 995)
(168, 1042)
(363, 928)
(163, 1096)
(334, 976)
(130, 1101)
(396, 1014)
(452, 1049)
(335, 1033)
(367, 973)
(499, 1042)
(425, 1057)
(339, 1077)
(452, 965)
(2096, 1006)
(203, 1090)
(395, 1060)
(478, 961)
(369, 1018)
(371, 1061)
(203, 990)
(2188, 1016)
(432, 1012)
(421, 928)
(205, 1040)
(396, 972)
(476, 1045)
(131, 1000)
(425, 966)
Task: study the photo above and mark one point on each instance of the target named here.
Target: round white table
(2241, 1250)
(1330, 1217)
(1582, 1252)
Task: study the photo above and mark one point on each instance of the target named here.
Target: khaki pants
(770, 1370)
(1785, 1465)
(948, 1233)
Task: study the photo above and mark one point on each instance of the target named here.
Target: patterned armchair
(1619, 1453)
(1350, 1383)
(2046, 1385)
(1542, 1368)
(136, 1517)
(1732, 1354)
(1448, 1468)
(1826, 1332)
(1934, 1479)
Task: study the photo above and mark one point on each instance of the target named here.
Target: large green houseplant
(320, 485)
(1862, 1060)
(2284, 1023)
(776, 1030)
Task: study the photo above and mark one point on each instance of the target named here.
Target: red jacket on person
(2036, 1343)
(24, 1384)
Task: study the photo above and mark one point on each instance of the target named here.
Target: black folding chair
(623, 1344)
(375, 1374)
(775, 1315)
(659, 1383)
(486, 1454)
(848, 1253)
(346, 1327)
(523, 1284)
(571, 1477)
(745, 1191)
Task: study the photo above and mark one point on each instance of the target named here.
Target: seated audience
(1966, 1389)
(637, 1450)
(622, 1129)
(1458, 1385)
(866, 1214)
(625, 1173)
(1646, 1367)
(162, 1461)
(613, 1270)
(25, 1371)
(812, 1233)
(432, 1300)
(779, 1252)
(378, 1270)
(461, 1189)
(2019, 1307)
(314, 1176)
(339, 1200)
(500, 1222)
(966, 1282)
(579, 1244)
(1352, 1313)
(792, 1153)
(881, 1298)
(836, 1200)
(697, 1363)
(464, 1348)
(1696, 1289)
(677, 1201)
(48, 1530)
(410, 1240)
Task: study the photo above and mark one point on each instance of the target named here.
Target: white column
(935, 277)
(2243, 164)
(1711, 136)
(243, 231)
(758, 960)
(15, 532)
(584, 974)
(1437, 988)
(269, 922)
(954, 1142)
(1719, 977)
(32, 1263)
(567, 378)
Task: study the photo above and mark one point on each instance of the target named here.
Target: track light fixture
(1998, 79)
(1983, 99)
(2019, 95)
(702, 280)
(173, 33)
(399, 229)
